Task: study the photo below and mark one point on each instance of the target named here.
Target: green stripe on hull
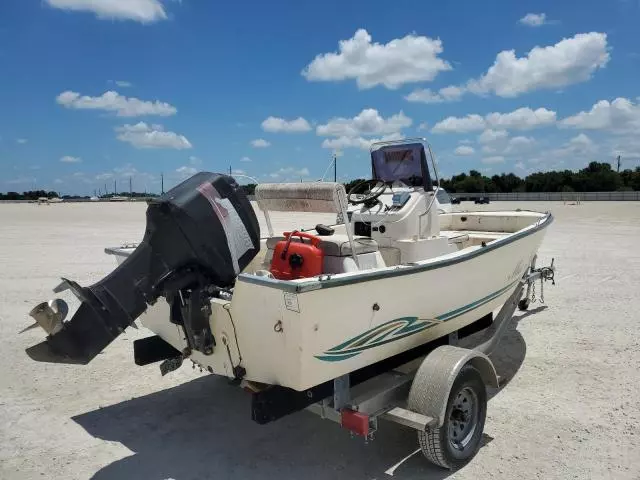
(405, 326)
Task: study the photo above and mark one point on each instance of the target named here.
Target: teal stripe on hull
(411, 327)
(474, 305)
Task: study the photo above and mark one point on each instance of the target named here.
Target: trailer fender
(432, 384)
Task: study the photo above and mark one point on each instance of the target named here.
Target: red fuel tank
(295, 259)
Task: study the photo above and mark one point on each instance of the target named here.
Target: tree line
(595, 177)
(36, 194)
(30, 195)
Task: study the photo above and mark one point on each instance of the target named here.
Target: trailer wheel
(457, 441)
(523, 304)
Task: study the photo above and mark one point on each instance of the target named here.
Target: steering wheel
(357, 195)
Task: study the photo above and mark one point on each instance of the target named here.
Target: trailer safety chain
(533, 292)
(546, 273)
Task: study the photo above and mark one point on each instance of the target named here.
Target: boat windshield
(442, 196)
(405, 163)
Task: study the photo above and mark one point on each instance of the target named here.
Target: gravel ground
(569, 409)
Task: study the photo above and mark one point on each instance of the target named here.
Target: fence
(553, 196)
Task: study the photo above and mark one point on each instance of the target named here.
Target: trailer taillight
(356, 422)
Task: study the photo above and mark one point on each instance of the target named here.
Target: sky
(94, 92)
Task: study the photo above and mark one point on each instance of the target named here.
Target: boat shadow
(510, 352)
(203, 429)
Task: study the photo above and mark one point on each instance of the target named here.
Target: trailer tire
(439, 445)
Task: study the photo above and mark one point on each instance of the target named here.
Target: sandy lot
(570, 409)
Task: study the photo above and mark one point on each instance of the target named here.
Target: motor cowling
(199, 235)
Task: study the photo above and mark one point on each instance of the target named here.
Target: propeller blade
(50, 315)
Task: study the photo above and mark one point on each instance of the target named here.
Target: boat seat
(335, 245)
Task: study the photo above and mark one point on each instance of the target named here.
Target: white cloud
(492, 160)
(70, 159)
(193, 160)
(519, 145)
(127, 170)
(58, 181)
(21, 141)
(357, 142)
(571, 60)
(280, 125)
(469, 123)
(522, 141)
(123, 83)
(464, 151)
(619, 116)
(580, 145)
(489, 149)
(521, 119)
(21, 180)
(237, 171)
(260, 143)
(104, 176)
(112, 101)
(446, 94)
(424, 126)
(581, 141)
(143, 11)
(520, 166)
(367, 122)
(402, 60)
(186, 171)
(290, 172)
(142, 135)
(490, 135)
(245, 159)
(534, 19)
(497, 143)
(424, 95)
(628, 148)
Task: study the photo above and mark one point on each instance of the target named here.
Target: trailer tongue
(198, 237)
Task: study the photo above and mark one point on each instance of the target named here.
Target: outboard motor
(198, 237)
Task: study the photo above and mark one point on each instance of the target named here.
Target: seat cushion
(335, 245)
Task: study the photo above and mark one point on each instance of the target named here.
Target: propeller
(49, 315)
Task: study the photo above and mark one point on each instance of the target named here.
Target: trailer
(442, 396)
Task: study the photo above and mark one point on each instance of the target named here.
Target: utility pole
(106, 192)
(229, 170)
(162, 183)
(130, 190)
(336, 154)
(115, 187)
(619, 162)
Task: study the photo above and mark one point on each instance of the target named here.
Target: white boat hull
(299, 334)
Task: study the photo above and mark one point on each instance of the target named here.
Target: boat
(288, 314)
